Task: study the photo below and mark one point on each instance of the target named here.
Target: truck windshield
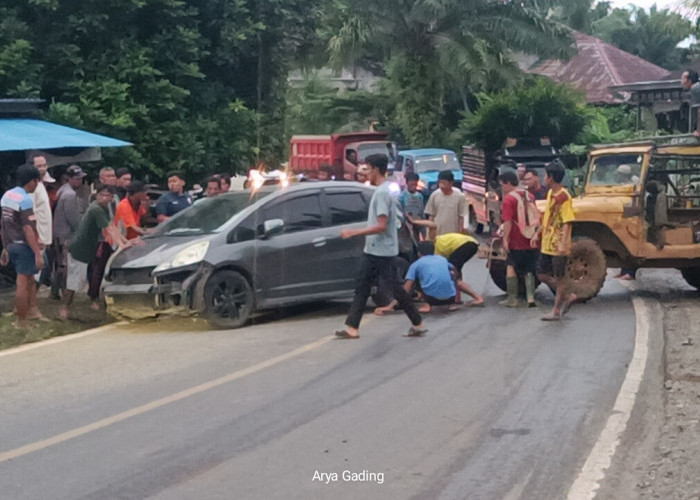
(615, 170)
(209, 214)
(381, 148)
(436, 163)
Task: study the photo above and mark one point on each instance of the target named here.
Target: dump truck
(340, 154)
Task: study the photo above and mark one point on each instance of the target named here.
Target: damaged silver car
(232, 255)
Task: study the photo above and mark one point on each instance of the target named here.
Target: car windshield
(436, 163)
(208, 215)
(616, 169)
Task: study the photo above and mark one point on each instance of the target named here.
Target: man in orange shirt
(131, 209)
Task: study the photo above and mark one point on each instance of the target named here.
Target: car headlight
(190, 255)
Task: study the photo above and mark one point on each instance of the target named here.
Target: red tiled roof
(598, 66)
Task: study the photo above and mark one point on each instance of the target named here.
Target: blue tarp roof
(22, 134)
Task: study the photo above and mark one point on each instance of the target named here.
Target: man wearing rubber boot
(522, 251)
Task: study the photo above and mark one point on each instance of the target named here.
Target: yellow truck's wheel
(586, 269)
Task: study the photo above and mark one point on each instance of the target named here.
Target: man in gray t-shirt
(381, 248)
(689, 81)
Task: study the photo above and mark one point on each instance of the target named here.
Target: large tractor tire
(586, 269)
(692, 276)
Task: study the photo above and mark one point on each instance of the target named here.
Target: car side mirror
(272, 227)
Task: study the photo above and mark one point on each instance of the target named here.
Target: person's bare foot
(424, 309)
(627, 277)
(62, 313)
(22, 324)
(453, 307)
(379, 311)
(95, 306)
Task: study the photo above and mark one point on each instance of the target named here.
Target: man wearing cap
(20, 241)
(131, 210)
(42, 211)
(66, 218)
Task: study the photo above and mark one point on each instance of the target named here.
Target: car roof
(426, 152)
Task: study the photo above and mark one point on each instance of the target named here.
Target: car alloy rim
(229, 298)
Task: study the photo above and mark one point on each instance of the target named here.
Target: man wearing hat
(20, 242)
(66, 218)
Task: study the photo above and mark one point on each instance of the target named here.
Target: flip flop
(551, 317)
(474, 304)
(343, 335)
(415, 332)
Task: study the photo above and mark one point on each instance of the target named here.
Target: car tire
(497, 270)
(692, 276)
(586, 268)
(228, 299)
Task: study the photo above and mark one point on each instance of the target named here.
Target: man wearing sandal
(381, 247)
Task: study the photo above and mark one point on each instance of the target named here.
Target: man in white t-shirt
(42, 211)
(447, 206)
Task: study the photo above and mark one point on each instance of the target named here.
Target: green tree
(538, 109)
(652, 35)
(433, 49)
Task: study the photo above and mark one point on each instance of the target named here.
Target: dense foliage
(202, 84)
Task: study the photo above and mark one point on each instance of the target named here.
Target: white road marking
(58, 340)
(139, 410)
(600, 458)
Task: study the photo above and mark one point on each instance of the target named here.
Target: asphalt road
(491, 404)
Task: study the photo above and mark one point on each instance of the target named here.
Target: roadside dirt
(659, 457)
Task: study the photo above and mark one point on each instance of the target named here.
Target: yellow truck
(640, 207)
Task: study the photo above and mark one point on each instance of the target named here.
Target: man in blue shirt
(20, 241)
(381, 247)
(437, 278)
(175, 200)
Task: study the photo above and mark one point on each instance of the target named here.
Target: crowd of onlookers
(60, 233)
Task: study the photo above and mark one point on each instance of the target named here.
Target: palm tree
(432, 48)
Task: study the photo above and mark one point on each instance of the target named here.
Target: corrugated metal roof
(23, 134)
(597, 67)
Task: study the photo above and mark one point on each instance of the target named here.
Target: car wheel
(497, 270)
(586, 268)
(228, 299)
(692, 276)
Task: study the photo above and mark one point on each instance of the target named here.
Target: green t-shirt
(87, 236)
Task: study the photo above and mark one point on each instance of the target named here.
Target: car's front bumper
(176, 292)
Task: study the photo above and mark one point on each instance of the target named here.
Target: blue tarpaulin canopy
(24, 134)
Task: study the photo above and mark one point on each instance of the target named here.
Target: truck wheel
(586, 268)
(228, 299)
(474, 226)
(692, 276)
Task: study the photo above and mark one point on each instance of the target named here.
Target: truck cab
(427, 163)
(481, 171)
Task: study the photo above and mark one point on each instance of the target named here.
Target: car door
(287, 261)
(344, 208)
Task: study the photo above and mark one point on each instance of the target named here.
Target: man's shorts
(22, 257)
(438, 302)
(77, 276)
(524, 261)
(552, 265)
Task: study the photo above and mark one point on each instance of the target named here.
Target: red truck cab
(340, 154)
